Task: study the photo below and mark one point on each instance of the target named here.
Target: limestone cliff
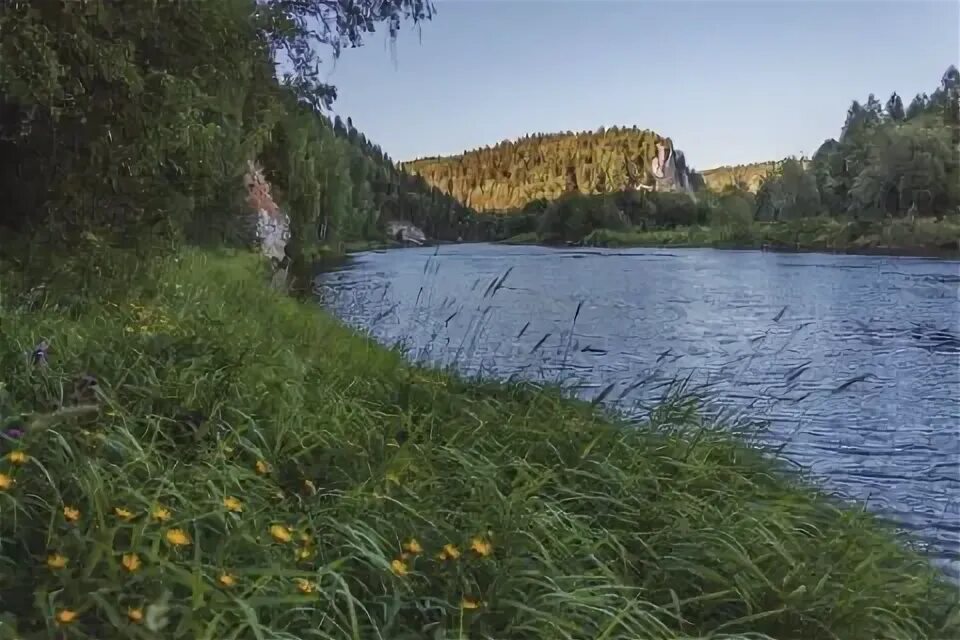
(272, 225)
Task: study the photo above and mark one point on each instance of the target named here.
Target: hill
(544, 166)
(748, 176)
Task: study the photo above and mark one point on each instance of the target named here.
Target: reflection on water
(852, 361)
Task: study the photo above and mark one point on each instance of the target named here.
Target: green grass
(529, 237)
(670, 529)
(923, 235)
(357, 246)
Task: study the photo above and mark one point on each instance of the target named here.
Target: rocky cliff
(272, 225)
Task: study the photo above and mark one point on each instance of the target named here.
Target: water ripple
(849, 363)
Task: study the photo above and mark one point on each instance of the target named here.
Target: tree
(295, 27)
(138, 119)
(873, 110)
(895, 108)
(127, 118)
(917, 106)
(907, 169)
(829, 170)
(788, 192)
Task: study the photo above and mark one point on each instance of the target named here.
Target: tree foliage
(514, 172)
(746, 177)
(138, 120)
(887, 161)
(296, 28)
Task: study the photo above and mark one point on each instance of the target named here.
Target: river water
(851, 363)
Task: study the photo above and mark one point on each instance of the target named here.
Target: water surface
(853, 362)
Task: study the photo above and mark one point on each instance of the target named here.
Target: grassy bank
(246, 467)
(922, 236)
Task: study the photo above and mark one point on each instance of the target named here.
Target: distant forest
(513, 173)
(889, 159)
(889, 162)
(748, 177)
(134, 125)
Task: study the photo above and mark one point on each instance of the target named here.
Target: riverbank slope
(202, 454)
(925, 237)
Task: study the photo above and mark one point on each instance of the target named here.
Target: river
(849, 366)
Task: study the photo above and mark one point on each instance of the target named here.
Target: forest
(131, 125)
(891, 179)
(746, 176)
(544, 166)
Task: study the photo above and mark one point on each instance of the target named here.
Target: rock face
(272, 225)
(669, 169)
(406, 232)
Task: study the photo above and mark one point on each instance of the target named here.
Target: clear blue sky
(729, 82)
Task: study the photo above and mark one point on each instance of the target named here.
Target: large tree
(906, 170)
(296, 27)
(129, 117)
(894, 108)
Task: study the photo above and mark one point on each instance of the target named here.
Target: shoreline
(892, 252)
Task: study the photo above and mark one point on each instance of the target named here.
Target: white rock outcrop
(272, 225)
(406, 232)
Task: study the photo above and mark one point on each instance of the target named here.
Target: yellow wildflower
(470, 603)
(449, 552)
(6, 482)
(305, 586)
(227, 579)
(123, 514)
(412, 546)
(66, 616)
(262, 467)
(280, 533)
(160, 514)
(399, 568)
(305, 538)
(178, 537)
(481, 546)
(304, 554)
(232, 504)
(135, 615)
(131, 562)
(71, 514)
(18, 457)
(57, 561)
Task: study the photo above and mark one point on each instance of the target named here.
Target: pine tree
(895, 108)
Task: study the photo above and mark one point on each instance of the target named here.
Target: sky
(729, 82)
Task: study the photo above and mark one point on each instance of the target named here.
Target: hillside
(515, 172)
(747, 175)
(384, 192)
